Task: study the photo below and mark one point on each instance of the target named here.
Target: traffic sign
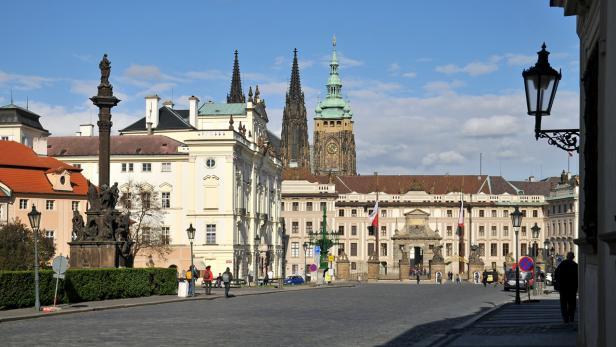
(317, 250)
(59, 265)
(313, 267)
(59, 276)
(527, 264)
(330, 258)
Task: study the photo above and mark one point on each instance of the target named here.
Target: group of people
(192, 274)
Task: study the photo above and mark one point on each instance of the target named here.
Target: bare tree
(144, 205)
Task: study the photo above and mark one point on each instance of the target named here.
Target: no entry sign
(527, 264)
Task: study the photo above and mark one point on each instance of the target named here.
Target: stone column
(405, 266)
(373, 269)
(343, 268)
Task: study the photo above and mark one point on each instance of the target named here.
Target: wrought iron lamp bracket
(566, 139)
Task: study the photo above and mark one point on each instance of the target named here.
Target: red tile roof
(23, 171)
(62, 146)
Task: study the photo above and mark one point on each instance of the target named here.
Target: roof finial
(334, 41)
(250, 94)
(235, 94)
(11, 96)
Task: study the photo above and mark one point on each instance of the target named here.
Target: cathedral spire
(235, 94)
(295, 88)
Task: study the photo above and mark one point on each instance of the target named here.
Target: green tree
(17, 247)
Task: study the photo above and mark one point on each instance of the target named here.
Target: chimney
(77, 133)
(149, 127)
(193, 109)
(86, 130)
(169, 104)
(531, 179)
(151, 110)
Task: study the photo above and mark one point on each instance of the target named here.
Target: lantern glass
(35, 218)
(540, 85)
(535, 230)
(190, 232)
(516, 218)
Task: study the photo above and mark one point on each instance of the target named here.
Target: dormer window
(60, 180)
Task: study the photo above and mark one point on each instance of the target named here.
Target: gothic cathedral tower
(295, 149)
(334, 140)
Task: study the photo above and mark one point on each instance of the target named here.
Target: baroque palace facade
(215, 166)
(488, 202)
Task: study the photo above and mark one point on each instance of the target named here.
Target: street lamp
(516, 220)
(540, 85)
(257, 242)
(191, 236)
(535, 230)
(35, 222)
(305, 245)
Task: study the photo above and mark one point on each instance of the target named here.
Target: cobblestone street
(367, 315)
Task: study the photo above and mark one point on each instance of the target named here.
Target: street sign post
(330, 258)
(59, 266)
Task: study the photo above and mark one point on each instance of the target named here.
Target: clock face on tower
(332, 148)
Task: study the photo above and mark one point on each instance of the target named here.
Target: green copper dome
(334, 105)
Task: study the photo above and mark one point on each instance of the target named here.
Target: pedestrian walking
(266, 279)
(417, 278)
(208, 277)
(227, 277)
(189, 279)
(458, 279)
(566, 282)
(219, 280)
(484, 279)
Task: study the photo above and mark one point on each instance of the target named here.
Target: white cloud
(143, 72)
(23, 82)
(471, 69)
(443, 158)
(520, 59)
(343, 60)
(498, 125)
(409, 74)
(393, 68)
(442, 87)
(207, 75)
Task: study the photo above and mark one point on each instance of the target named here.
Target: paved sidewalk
(538, 323)
(217, 293)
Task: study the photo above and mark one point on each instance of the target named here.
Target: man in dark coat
(566, 282)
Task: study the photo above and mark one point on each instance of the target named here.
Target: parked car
(526, 280)
(293, 280)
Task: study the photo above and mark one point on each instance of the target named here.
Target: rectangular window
(127, 200)
(449, 213)
(449, 230)
(383, 230)
(341, 230)
(210, 234)
(506, 231)
(295, 249)
(145, 235)
(353, 265)
(494, 231)
(74, 205)
(482, 249)
(49, 204)
(309, 251)
(383, 213)
(523, 231)
(493, 249)
(4, 138)
(353, 230)
(370, 248)
(294, 268)
(341, 249)
(353, 249)
(23, 204)
(341, 213)
(165, 199)
(353, 213)
(77, 165)
(124, 167)
(146, 167)
(482, 231)
(165, 167)
(523, 250)
(281, 206)
(165, 235)
(49, 234)
(523, 213)
(494, 213)
(323, 205)
(383, 249)
(308, 227)
(505, 249)
(295, 206)
(481, 213)
(506, 214)
(295, 227)
(145, 200)
(448, 249)
(309, 206)
(535, 213)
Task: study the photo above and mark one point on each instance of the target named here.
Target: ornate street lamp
(540, 85)
(305, 245)
(35, 222)
(516, 220)
(191, 237)
(325, 240)
(256, 246)
(535, 230)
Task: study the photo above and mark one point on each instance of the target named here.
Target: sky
(432, 84)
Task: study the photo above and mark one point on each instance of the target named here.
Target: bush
(17, 287)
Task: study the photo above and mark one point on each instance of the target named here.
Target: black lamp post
(305, 245)
(516, 219)
(540, 85)
(257, 242)
(191, 237)
(535, 230)
(546, 255)
(35, 222)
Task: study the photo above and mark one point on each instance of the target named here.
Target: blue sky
(432, 83)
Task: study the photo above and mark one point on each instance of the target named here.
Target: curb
(167, 301)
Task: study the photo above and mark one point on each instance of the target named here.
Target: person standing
(189, 279)
(566, 282)
(208, 277)
(484, 279)
(417, 277)
(458, 279)
(227, 277)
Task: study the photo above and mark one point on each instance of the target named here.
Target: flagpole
(377, 246)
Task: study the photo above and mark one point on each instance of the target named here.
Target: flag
(374, 220)
(461, 217)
